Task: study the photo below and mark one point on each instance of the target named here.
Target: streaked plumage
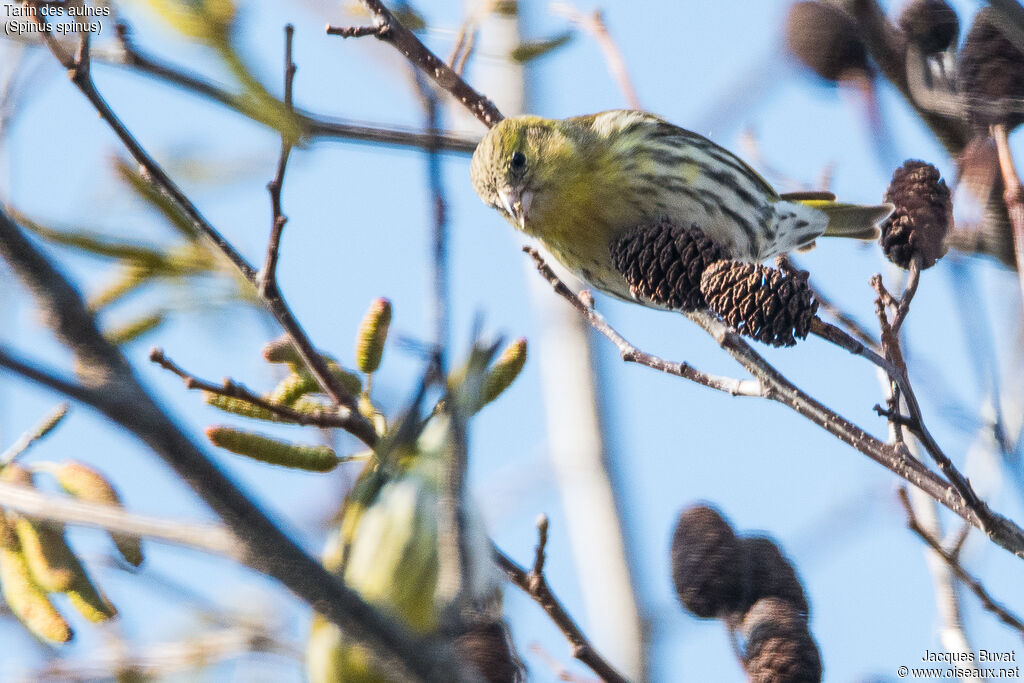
(578, 184)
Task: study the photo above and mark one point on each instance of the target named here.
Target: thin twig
(109, 385)
(540, 556)
(594, 25)
(1013, 195)
(312, 124)
(465, 42)
(950, 559)
(631, 354)
(771, 384)
(268, 276)
(388, 29)
(891, 347)
(78, 70)
(169, 659)
(210, 538)
(534, 584)
(232, 389)
(39, 431)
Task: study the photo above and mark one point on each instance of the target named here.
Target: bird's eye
(517, 162)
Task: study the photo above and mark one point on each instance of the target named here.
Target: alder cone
(922, 218)
(760, 302)
(663, 263)
(990, 69)
(778, 648)
(825, 39)
(707, 570)
(931, 24)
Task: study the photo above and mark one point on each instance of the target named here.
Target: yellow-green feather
(850, 220)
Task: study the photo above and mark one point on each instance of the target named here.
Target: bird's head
(517, 164)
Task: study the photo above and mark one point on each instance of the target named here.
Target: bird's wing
(662, 128)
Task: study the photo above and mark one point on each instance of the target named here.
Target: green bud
(128, 279)
(316, 458)
(206, 20)
(134, 329)
(504, 371)
(530, 50)
(373, 332)
(281, 350)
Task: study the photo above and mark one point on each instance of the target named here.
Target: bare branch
(1013, 195)
(109, 385)
(594, 24)
(232, 389)
(534, 584)
(388, 29)
(772, 385)
(312, 125)
(214, 539)
(268, 275)
(78, 71)
(950, 559)
(39, 431)
(582, 303)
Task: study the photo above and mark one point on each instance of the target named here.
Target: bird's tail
(851, 220)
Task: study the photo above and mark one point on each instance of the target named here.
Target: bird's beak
(516, 203)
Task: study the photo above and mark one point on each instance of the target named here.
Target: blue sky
(359, 229)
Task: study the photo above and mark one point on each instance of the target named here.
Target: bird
(579, 184)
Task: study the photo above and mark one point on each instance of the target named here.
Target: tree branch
(774, 386)
(78, 70)
(39, 431)
(110, 386)
(214, 539)
(232, 389)
(630, 354)
(534, 584)
(951, 560)
(268, 276)
(388, 29)
(312, 124)
(1013, 195)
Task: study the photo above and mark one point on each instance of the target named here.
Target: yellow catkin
(293, 387)
(90, 602)
(373, 332)
(52, 564)
(86, 483)
(504, 371)
(49, 558)
(237, 406)
(27, 600)
(266, 449)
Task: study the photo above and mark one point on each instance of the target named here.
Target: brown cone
(825, 40)
(922, 218)
(931, 24)
(706, 563)
(769, 574)
(760, 302)
(778, 648)
(663, 263)
(990, 69)
(487, 648)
